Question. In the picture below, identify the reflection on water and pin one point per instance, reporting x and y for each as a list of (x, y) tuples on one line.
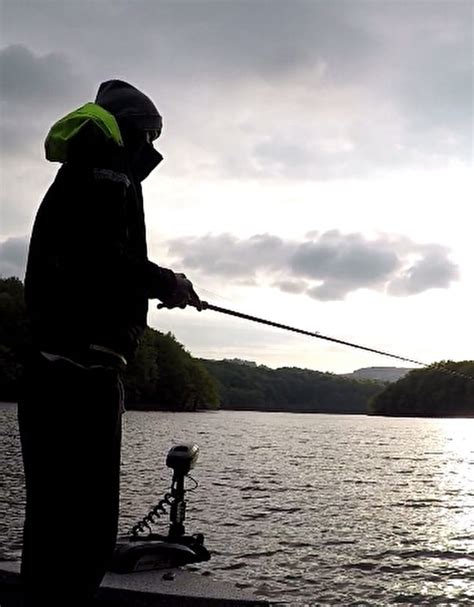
[(308, 509)]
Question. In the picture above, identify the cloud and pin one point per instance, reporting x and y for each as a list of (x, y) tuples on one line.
[(31, 80), (268, 90), (34, 91), (291, 286), (325, 266), (296, 90), (433, 270), (205, 39), (225, 255), (350, 258), (13, 253)]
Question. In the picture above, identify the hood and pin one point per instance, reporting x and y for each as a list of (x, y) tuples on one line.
[(125, 101), (90, 117)]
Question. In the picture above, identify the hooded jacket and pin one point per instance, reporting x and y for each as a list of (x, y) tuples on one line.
[(88, 277)]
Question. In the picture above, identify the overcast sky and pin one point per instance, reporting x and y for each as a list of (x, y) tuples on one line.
[(318, 162)]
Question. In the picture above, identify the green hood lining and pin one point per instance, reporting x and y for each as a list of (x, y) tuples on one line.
[(65, 130)]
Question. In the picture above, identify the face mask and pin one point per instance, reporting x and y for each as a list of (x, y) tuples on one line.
[(145, 161), (143, 157)]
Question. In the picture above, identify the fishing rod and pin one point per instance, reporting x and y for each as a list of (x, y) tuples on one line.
[(208, 306)]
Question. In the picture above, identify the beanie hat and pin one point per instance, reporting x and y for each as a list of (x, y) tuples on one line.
[(125, 101)]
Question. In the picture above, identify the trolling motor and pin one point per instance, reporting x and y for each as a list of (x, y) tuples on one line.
[(139, 552)]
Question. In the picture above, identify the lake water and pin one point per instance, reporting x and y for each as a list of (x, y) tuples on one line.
[(305, 509)]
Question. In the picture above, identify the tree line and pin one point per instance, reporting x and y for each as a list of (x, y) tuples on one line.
[(164, 375), (430, 392), (244, 386)]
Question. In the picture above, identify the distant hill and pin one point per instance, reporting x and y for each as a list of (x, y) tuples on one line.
[(382, 374), (257, 387)]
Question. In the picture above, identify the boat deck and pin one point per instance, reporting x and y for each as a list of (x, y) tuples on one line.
[(167, 587)]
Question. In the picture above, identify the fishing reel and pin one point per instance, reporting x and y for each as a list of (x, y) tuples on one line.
[(144, 550)]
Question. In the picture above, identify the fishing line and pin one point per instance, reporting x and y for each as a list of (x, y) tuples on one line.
[(201, 289), (208, 306)]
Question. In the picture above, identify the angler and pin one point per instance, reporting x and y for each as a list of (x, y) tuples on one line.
[(87, 287)]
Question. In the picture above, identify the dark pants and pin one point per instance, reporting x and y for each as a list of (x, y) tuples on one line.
[(70, 428)]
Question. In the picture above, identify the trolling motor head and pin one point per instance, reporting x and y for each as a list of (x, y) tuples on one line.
[(182, 458), (154, 551)]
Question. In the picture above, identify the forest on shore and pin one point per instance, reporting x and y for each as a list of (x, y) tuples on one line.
[(444, 389), (164, 375), (245, 386)]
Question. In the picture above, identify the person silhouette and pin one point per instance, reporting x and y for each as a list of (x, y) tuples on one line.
[(87, 286)]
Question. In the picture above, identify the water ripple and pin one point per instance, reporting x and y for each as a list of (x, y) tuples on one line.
[(379, 511)]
